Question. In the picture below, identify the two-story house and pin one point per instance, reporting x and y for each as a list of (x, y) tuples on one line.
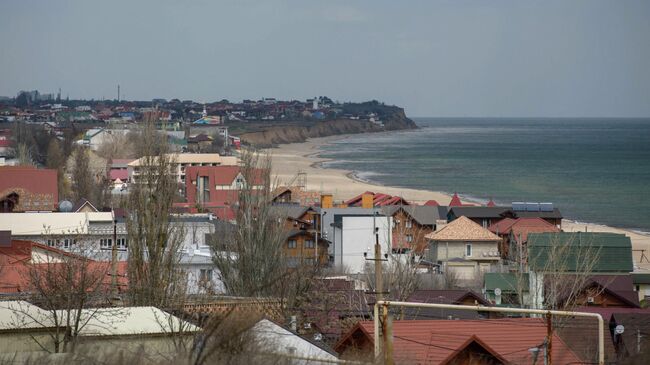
[(464, 248)]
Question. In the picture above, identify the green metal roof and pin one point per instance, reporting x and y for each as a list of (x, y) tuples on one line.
[(614, 251), (641, 278), (507, 282)]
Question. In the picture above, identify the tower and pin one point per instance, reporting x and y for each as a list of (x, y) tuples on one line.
[(314, 105), (118, 92), (205, 112)]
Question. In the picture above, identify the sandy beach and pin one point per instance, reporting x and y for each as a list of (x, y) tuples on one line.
[(289, 159)]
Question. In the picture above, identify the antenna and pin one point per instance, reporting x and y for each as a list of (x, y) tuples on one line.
[(118, 92)]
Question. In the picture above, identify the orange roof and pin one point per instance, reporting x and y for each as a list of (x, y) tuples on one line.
[(437, 341), (463, 229)]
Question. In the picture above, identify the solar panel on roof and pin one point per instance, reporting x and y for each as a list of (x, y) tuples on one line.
[(546, 207), (532, 207), (518, 206)]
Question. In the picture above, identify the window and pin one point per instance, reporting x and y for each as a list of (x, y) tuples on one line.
[(292, 244), (309, 244), (409, 238), (122, 243), (68, 242), (468, 250), (409, 223), (486, 223), (206, 275), (106, 243), (203, 189), (52, 242)]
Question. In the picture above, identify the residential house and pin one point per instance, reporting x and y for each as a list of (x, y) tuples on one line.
[(202, 274), (87, 233), (483, 216), (370, 199), (574, 253), (105, 330), (119, 174), (453, 296), (26, 189), (464, 248), (353, 232), (641, 284), (507, 289), (305, 243), (411, 224), (216, 188), (198, 143), (297, 195), (95, 137), (489, 215), (19, 257), (180, 162), (514, 233), (489, 341)]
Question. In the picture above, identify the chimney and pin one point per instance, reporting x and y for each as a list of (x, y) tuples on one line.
[(5, 238), (326, 201), (367, 201)]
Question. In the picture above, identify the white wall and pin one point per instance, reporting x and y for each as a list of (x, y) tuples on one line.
[(357, 237)]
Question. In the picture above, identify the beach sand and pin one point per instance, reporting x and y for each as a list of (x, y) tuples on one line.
[(289, 159)]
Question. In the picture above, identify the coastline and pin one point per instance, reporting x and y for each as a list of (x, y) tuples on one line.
[(289, 159)]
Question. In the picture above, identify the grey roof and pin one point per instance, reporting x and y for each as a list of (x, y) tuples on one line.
[(478, 212), (423, 214), (294, 211)]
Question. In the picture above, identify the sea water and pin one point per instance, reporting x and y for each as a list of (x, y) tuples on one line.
[(594, 170)]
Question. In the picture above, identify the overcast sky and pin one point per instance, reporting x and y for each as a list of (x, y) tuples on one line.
[(434, 58)]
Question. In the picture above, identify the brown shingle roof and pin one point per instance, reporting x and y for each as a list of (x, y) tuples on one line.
[(463, 229)]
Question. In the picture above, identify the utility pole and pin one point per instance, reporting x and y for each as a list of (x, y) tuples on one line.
[(114, 259), (379, 292), (549, 338)]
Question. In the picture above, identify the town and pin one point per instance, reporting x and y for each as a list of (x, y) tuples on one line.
[(157, 230)]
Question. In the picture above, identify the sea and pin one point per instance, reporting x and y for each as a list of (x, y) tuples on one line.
[(593, 170)]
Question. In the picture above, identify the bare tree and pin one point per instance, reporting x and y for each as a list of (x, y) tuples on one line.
[(154, 243), (64, 285), (251, 259)]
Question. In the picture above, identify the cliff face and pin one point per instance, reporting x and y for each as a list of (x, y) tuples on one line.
[(293, 133)]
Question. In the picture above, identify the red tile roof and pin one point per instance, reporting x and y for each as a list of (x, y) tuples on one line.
[(378, 200), (490, 203), (121, 174), (434, 341), (455, 201), (431, 203), (521, 227)]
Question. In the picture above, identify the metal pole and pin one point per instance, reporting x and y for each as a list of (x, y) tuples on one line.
[(549, 338), (388, 337), (601, 325), (114, 259)]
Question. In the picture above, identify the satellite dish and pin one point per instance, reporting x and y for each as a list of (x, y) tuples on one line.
[(65, 206), (497, 291), (619, 329)]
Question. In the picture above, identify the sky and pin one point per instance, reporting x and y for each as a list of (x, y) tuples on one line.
[(456, 58)]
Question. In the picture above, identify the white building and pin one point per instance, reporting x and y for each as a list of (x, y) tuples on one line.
[(181, 161), (352, 234), (96, 137), (87, 233)]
